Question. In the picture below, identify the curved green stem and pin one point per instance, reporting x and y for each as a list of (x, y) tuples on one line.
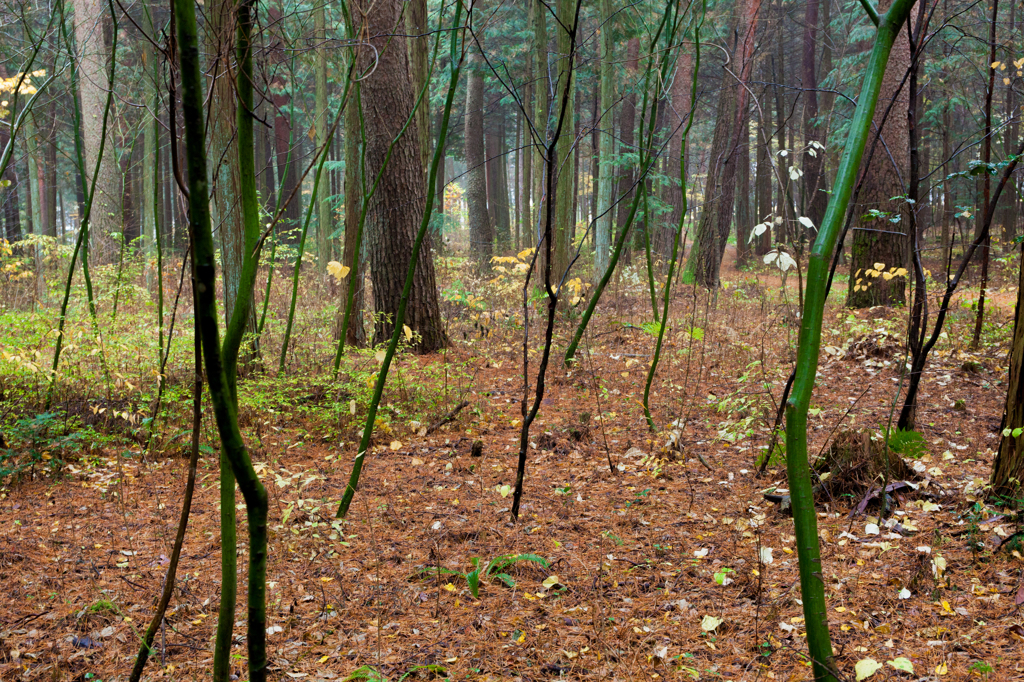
[(812, 582)]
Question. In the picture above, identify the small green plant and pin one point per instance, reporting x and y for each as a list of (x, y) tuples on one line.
[(496, 569), (980, 668), (907, 443), (43, 440)]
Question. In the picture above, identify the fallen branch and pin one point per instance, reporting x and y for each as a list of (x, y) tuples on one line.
[(447, 418)]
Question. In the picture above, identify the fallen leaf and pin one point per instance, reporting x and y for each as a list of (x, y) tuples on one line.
[(710, 623), (865, 668)]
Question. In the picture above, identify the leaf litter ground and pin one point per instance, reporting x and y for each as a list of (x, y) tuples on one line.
[(657, 566)]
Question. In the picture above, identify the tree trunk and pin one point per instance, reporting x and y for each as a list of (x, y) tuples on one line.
[(225, 184), (481, 230), (763, 176), (542, 89), (881, 241), (716, 217), (324, 223), (813, 198), (744, 221), (419, 65), (497, 182), (393, 218), (565, 200), (606, 143), (627, 130), (1008, 203), (356, 334), (1008, 467), (90, 25)]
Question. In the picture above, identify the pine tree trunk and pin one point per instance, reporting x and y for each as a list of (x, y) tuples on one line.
[(744, 221), (419, 58), (356, 334), (542, 89), (627, 130), (606, 144), (1008, 466), (565, 201), (481, 231), (813, 198), (393, 217), (90, 20), (881, 241), (324, 223), (225, 184)]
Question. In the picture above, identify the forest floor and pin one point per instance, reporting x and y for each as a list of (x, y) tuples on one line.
[(657, 566)]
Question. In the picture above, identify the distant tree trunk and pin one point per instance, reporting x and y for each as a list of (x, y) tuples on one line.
[(481, 230), (90, 24), (606, 143), (744, 222), (497, 181), (542, 89), (881, 241), (813, 198), (763, 175), (324, 224), (627, 127), (504, 226), (398, 205), (676, 121), (716, 217), (947, 208), (565, 201), (1008, 202), (516, 184)]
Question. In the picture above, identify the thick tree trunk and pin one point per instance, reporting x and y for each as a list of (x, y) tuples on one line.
[(1008, 467), (419, 65), (481, 229), (881, 241), (398, 205), (712, 232), (1008, 202), (90, 21), (497, 181), (222, 151)]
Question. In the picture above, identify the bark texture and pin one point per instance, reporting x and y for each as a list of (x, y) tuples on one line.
[(397, 207), (883, 241), (93, 56)]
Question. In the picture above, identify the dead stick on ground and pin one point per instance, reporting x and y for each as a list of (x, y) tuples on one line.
[(447, 418)]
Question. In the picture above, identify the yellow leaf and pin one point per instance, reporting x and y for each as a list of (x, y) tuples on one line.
[(710, 623), (879, 266), (337, 270), (408, 332), (866, 668), (550, 582), (380, 355), (941, 668), (449, 587), (396, 445)]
